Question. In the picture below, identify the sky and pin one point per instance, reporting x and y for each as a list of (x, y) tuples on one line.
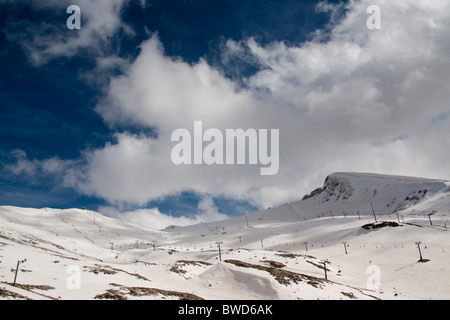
[(88, 114)]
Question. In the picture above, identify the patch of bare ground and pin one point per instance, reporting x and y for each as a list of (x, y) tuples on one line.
[(382, 224), (98, 269), (108, 270), (413, 224), (30, 287), (145, 262), (111, 294), (121, 293), (33, 288), (177, 267), (284, 277), (293, 255), (274, 264), (5, 293), (349, 295)]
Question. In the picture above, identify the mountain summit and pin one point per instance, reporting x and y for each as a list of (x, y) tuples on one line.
[(352, 193)]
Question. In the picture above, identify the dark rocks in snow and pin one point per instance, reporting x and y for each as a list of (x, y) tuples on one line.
[(333, 186), (381, 224), (313, 193)]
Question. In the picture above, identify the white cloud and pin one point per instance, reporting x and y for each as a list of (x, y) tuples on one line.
[(43, 41), (161, 92), (34, 170), (153, 218), (23, 166)]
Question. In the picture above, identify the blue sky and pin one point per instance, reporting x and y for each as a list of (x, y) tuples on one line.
[(86, 114)]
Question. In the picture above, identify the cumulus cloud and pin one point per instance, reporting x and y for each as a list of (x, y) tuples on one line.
[(165, 93), (23, 166), (340, 104), (361, 100), (34, 170), (153, 218)]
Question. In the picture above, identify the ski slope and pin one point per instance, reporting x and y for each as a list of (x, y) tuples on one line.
[(277, 253)]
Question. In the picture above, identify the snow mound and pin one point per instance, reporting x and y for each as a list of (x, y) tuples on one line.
[(241, 284)]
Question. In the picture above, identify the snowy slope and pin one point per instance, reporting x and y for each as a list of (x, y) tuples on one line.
[(276, 253)]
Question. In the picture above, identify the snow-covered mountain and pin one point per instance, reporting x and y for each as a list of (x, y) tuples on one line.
[(350, 193), (277, 253)]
